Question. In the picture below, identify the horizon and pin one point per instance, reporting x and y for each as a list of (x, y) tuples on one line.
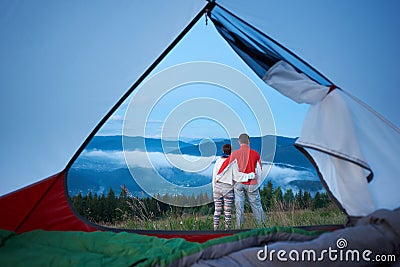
[(191, 138)]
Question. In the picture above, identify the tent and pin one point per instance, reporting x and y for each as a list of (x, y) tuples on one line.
[(339, 133)]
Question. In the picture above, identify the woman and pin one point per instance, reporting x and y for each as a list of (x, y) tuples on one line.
[(223, 187)]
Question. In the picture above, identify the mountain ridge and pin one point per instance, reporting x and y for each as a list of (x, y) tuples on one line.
[(290, 167)]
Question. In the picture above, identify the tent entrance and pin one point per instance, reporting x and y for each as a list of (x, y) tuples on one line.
[(163, 153)]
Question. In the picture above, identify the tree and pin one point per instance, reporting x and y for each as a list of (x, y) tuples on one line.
[(299, 198), (288, 197), (101, 207), (111, 205), (77, 201), (266, 195), (318, 201), (307, 200), (89, 205), (277, 197)]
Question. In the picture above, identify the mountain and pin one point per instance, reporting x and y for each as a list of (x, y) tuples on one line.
[(102, 164), (99, 181), (285, 151), (118, 143), (307, 185)]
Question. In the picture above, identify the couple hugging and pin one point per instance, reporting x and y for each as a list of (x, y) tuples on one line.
[(235, 175)]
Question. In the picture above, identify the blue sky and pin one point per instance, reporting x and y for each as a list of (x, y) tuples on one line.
[(370, 66), (203, 43)]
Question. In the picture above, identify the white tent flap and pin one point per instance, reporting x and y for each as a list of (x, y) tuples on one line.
[(330, 137), (297, 86), (346, 181)]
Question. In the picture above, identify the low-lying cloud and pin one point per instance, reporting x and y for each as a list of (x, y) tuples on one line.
[(108, 160), (141, 159)]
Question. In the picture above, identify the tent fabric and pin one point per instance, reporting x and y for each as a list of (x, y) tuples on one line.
[(68, 248), (379, 232), (49, 248), (374, 237), (109, 47), (379, 143), (297, 86), (354, 148), (258, 50), (330, 134), (43, 205)]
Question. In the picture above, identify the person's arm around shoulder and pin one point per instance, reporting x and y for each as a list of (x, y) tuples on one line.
[(241, 176)]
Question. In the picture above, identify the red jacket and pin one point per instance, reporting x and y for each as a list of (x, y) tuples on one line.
[(247, 161)]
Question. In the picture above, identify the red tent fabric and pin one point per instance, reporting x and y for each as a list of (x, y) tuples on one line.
[(43, 205)]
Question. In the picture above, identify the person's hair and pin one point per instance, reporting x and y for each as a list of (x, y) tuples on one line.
[(244, 139), (227, 149)]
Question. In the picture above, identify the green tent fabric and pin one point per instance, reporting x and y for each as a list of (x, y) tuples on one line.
[(73, 248)]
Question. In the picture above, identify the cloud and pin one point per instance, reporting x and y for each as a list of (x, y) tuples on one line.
[(147, 164), (116, 118), (184, 162), (100, 160), (141, 159), (278, 171), (283, 175)]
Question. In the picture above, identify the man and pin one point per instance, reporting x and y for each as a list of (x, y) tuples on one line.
[(248, 161), (223, 186)]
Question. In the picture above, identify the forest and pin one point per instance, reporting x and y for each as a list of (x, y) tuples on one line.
[(127, 211)]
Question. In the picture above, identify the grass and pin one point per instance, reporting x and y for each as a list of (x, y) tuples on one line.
[(278, 216), (303, 217), (183, 223)]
